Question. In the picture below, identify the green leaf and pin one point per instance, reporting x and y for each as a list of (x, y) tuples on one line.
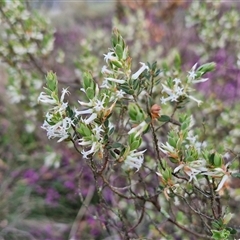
[(135, 84), (117, 64), (87, 81), (70, 112), (177, 62), (135, 144), (216, 234), (90, 93), (207, 67), (84, 130), (231, 230), (111, 131), (184, 126), (172, 142), (116, 145), (164, 118), (211, 158), (113, 154), (114, 37), (51, 79), (154, 66), (217, 160), (119, 51)]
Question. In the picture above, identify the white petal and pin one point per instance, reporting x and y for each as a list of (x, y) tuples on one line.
[(220, 185)]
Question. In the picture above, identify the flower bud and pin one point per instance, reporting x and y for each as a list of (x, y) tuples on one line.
[(155, 111)]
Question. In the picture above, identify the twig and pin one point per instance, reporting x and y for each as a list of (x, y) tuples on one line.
[(212, 197), (139, 220), (81, 212), (188, 230), (115, 190), (156, 146)]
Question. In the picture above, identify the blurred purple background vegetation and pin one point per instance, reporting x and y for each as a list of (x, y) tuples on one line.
[(54, 194)]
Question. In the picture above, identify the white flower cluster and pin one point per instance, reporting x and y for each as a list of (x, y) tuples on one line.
[(196, 167), (181, 89), (111, 78), (134, 159), (57, 124), (94, 141), (101, 104)]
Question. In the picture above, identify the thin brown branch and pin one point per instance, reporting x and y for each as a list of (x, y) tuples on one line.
[(211, 197), (188, 230), (99, 172), (115, 190), (139, 220), (155, 140)]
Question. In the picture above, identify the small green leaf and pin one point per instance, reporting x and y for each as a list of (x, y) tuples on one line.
[(51, 79), (114, 37), (116, 63), (177, 62), (172, 142), (84, 130), (211, 158), (87, 81), (116, 145), (119, 51), (90, 93), (217, 160), (207, 67), (164, 118), (111, 131), (184, 126), (135, 144), (231, 230), (70, 112)]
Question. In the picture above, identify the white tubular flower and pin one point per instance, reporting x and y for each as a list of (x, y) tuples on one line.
[(87, 111), (191, 172), (134, 159), (109, 56), (220, 172), (59, 130), (173, 94), (177, 81), (83, 142), (167, 89), (106, 71), (97, 131), (141, 70), (45, 98), (192, 74), (139, 129), (89, 120), (192, 169), (164, 100), (96, 146), (105, 84), (222, 182), (199, 102), (167, 148), (120, 94), (120, 81), (95, 105), (64, 92), (200, 80)]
